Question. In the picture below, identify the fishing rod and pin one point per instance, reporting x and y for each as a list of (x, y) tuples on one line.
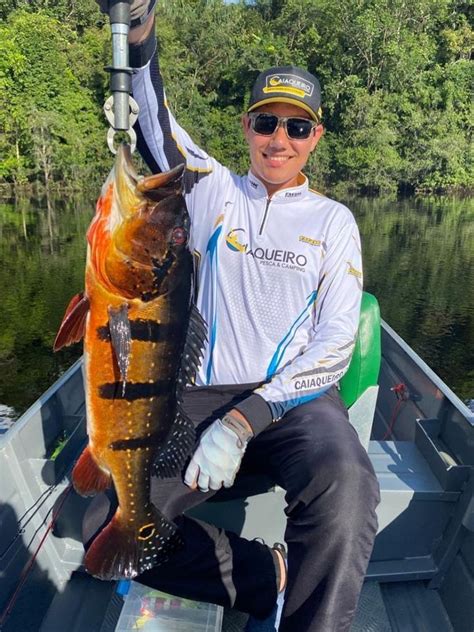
[(120, 108)]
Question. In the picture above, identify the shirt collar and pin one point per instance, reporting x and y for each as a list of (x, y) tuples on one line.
[(256, 189)]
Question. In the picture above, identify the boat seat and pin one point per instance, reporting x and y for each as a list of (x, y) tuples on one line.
[(358, 387), (363, 371)]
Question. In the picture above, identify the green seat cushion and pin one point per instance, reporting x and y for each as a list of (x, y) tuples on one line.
[(365, 364)]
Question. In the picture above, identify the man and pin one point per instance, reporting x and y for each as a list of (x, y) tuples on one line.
[(274, 268)]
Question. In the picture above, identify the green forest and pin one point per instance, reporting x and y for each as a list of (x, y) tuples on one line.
[(396, 77)]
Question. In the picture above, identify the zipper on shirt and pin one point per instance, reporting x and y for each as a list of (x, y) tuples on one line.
[(262, 225)]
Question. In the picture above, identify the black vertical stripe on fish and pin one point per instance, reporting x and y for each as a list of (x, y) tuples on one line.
[(130, 391), (137, 443), (145, 331)]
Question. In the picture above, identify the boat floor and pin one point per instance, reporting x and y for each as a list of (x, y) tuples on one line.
[(92, 605), (400, 607)]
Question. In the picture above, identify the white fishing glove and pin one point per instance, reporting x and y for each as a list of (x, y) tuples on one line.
[(219, 454)]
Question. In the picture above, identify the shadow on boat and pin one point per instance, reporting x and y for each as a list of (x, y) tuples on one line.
[(24, 585)]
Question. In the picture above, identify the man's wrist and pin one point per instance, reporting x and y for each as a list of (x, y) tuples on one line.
[(256, 411), (235, 421)]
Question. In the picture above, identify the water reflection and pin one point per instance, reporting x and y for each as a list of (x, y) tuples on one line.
[(42, 256), (418, 261)]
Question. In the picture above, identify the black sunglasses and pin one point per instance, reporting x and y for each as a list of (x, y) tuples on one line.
[(266, 124)]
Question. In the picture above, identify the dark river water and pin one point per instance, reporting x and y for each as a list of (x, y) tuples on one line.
[(419, 262)]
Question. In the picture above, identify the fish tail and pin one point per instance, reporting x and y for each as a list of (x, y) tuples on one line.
[(121, 551), (87, 477)]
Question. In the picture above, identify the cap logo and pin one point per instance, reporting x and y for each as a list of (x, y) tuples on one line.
[(291, 84)]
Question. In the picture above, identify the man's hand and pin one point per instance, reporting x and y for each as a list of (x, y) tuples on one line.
[(142, 14), (219, 454), (139, 9)]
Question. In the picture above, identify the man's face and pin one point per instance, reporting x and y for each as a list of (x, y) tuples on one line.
[(277, 160)]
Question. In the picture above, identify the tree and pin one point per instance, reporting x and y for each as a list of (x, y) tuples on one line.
[(395, 75)]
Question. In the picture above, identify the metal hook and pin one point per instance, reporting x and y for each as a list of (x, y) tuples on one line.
[(132, 117)]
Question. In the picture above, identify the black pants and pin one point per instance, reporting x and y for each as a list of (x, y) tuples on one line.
[(331, 492)]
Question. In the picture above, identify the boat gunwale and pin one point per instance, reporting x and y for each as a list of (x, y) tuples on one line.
[(36, 406), (460, 406), (456, 402)]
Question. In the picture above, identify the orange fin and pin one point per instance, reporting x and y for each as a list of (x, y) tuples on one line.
[(87, 477), (123, 552), (74, 321)]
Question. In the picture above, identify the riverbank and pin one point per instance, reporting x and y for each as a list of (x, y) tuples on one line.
[(10, 192)]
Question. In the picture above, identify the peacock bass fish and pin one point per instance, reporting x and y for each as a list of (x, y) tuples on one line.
[(137, 321)]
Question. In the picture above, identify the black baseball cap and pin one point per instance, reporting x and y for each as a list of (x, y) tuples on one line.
[(287, 84)]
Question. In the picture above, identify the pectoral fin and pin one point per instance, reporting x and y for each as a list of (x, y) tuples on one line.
[(120, 334), (74, 322)]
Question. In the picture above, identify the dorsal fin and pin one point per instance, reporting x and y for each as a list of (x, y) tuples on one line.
[(178, 446), (196, 337)]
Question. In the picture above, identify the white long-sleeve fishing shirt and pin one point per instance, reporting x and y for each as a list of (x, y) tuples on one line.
[(278, 280)]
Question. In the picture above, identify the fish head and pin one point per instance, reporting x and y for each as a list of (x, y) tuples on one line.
[(140, 234)]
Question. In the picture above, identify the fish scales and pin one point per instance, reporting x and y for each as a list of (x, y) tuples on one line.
[(134, 314)]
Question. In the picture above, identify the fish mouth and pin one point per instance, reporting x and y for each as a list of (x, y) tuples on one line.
[(133, 189), (124, 160), (127, 196)]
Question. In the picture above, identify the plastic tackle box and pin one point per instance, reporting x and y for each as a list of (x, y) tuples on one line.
[(150, 610)]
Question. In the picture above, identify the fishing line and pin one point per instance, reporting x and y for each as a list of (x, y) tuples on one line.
[(29, 566), (21, 527), (39, 502)]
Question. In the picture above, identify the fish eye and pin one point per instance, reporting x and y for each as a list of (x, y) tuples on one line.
[(179, 236)]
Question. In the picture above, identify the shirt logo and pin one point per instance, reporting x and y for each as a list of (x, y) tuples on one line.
[(317, 382), (235, 241), (353, 271), (308, 240), (232, 240)]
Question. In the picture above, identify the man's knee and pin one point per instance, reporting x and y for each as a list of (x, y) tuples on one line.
[(341, 473), (354, 483)]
